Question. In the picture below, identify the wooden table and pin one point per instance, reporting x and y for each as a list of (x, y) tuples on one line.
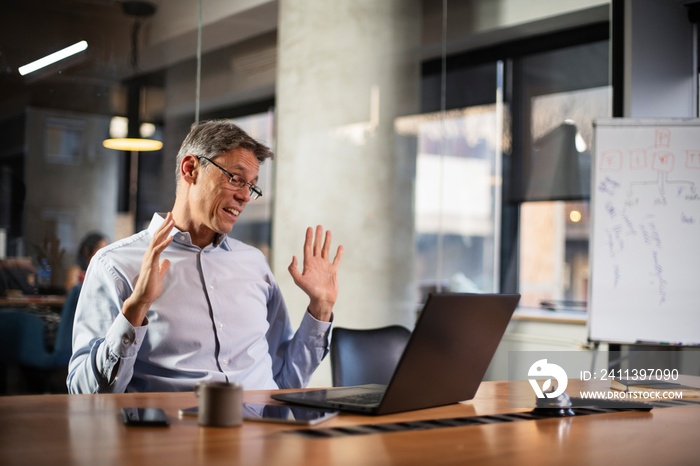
[(88, 430)]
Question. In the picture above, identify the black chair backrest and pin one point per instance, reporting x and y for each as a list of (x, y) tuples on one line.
[(10, 336), (361, 357)]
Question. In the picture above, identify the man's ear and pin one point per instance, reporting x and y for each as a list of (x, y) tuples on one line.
[(189, 168)]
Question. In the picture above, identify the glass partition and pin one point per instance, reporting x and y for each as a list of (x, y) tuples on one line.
[(448, 115)]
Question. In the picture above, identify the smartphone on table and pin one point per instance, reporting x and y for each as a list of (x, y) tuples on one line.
[(145, 417)]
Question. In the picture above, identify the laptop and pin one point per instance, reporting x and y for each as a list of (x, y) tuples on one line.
[(444, 362)]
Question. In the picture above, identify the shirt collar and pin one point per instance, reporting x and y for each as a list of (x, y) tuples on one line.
[(183, 237)]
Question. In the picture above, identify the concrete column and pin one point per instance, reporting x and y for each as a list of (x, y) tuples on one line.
[(346, 70)]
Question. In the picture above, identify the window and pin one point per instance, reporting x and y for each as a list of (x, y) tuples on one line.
[(457, 201), (556, 86), (564, 91)]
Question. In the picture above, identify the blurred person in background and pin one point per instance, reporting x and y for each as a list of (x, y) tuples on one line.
[(91, 243)]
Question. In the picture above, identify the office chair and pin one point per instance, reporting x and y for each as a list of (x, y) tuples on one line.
[(24, 337), (23, 346), (366, 356)]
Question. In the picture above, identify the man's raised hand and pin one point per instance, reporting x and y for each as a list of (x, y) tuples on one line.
[(319, 276), (149, 285)]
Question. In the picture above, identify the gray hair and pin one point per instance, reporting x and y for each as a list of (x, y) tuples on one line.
[(211, 138)]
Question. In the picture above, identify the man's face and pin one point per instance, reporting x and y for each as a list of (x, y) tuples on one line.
[(216, 202)]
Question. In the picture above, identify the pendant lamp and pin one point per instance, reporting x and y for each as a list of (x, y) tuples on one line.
[(138, 10)]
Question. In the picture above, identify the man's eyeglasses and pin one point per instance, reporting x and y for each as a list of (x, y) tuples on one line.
[(237, 181)]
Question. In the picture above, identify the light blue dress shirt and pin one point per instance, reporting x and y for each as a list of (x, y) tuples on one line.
[(221, 317)]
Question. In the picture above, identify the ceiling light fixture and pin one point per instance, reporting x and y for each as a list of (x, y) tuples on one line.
[(132, 144), (53, 58), (139, 10)]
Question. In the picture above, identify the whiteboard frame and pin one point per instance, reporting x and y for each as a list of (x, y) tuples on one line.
[(627, 123)]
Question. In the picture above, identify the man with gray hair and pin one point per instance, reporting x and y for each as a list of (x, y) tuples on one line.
[(181, 302)]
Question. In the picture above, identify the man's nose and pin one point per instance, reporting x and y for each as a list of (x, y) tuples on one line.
[(242, 195)]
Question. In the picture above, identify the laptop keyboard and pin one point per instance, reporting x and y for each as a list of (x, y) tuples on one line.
[(363, 399)]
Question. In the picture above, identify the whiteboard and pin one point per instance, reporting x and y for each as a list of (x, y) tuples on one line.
[(645, 237)]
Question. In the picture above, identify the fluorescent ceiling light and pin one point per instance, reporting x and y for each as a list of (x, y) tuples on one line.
[(53, 58)]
